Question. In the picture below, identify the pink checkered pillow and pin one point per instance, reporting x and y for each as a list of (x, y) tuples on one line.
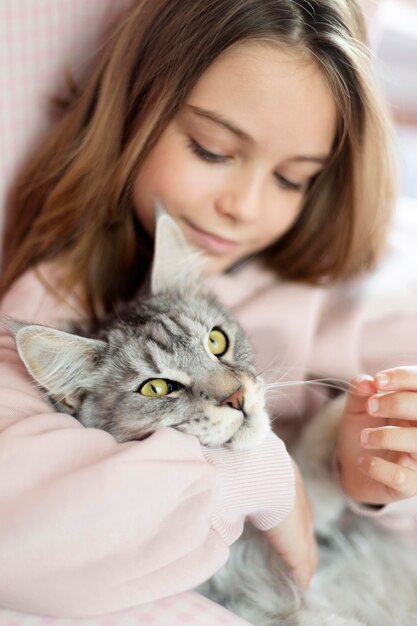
[(39, 42)]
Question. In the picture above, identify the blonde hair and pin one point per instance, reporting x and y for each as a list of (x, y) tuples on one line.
[(73, 201)]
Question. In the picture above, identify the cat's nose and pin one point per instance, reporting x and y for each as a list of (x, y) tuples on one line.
[(235, 400)]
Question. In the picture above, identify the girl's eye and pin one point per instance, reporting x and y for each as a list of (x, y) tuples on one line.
[(218, 342), (288, 184), (211, 157), (158, 387), (204, 154)]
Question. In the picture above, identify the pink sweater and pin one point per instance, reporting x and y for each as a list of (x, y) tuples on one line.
[(90, 526)]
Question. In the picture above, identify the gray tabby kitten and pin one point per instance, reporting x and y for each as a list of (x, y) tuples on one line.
[(173, 358), (178, 358)]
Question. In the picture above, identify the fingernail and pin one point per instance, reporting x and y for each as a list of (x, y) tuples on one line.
[(365, 434), (373, 405), (383, 379)]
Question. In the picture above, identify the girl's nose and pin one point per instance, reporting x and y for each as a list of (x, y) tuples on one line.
[(243, 202)]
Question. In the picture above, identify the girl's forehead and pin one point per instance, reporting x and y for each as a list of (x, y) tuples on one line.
[(270, 92)]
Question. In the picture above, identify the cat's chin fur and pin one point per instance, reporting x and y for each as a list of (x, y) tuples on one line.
[(257, 424), (252, 432), (366, 576)]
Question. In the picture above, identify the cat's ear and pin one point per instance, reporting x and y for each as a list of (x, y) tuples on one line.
[(176, 265), (62, 363)]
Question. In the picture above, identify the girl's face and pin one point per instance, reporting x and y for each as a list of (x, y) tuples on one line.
[(233, 165)]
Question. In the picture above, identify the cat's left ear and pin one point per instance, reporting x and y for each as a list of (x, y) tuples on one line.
[(62, 363), (176, 265)]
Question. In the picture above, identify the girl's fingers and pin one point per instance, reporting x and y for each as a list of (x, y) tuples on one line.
[(397, 378), (390, 438), (394, 405), (360, 388), (303, 572), (400, 482)]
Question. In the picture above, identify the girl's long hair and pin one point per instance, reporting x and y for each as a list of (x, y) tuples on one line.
[(73, 201)]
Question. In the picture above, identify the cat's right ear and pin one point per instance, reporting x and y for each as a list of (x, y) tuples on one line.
[(62, 363), (176, 267)]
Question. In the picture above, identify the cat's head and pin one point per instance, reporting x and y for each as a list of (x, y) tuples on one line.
[(174, 358)]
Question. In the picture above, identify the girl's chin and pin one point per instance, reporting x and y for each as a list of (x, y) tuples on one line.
[(220, 265)]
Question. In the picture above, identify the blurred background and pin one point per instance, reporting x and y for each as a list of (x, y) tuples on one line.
[(393, 37)]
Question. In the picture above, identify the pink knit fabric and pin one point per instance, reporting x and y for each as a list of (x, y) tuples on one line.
[(186, 609), (151, 518)]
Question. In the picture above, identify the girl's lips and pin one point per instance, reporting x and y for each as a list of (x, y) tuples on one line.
[(211, 243)]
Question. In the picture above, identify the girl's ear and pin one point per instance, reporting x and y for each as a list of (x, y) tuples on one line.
[(62, 363), (176, 265)]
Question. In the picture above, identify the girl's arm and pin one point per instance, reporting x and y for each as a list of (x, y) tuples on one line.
[(90, 526)]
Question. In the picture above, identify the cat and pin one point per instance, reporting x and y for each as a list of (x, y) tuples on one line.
[(176, 357)]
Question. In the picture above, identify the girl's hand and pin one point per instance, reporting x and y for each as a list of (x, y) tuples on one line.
[(377, 442), (294, 540)]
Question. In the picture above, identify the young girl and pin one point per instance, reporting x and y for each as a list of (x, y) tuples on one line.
[(255, 122)]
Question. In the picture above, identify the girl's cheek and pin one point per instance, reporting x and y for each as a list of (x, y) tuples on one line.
[(177, 177)]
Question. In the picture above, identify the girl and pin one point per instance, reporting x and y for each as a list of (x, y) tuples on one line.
[(255, 122)]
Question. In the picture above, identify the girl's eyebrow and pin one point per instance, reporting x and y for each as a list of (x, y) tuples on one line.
[(217, 118)]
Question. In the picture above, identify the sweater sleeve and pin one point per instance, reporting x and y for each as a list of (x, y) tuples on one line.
[(246, 484), (90, 526)]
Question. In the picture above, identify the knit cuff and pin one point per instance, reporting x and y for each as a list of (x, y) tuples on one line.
[(256, 484)]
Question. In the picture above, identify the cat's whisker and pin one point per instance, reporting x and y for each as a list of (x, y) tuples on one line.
[(287, 389), (336, 384)]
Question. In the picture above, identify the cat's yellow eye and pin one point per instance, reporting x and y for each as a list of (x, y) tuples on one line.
[(218, 342), (155, 388)]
